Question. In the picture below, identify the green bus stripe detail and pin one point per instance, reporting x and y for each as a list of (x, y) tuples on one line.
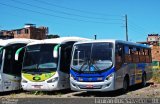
[(38, 78), (1, 48), (56, 48), (18, 51)]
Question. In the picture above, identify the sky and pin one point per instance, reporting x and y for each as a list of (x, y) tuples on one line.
[(85, 18)]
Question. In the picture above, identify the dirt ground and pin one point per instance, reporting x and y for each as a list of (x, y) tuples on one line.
[(150, 91)]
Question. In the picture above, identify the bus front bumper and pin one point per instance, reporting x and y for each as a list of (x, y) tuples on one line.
[(39, 86), (92, 86)]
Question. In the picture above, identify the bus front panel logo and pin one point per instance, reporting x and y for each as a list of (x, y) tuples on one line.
[(36, 78)]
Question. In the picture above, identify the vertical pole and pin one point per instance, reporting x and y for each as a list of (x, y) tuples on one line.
[(95, 37), (126, 23)]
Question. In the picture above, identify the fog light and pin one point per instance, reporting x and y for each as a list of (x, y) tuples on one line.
[(109, 76), (80, 79), (24, 81), (52, 80)]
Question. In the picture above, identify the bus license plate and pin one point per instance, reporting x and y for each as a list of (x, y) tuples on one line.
[(37, 86), (89, 86)]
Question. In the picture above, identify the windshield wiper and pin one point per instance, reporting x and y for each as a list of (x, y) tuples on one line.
[(85, 63), (89, 64), (96, 68), (93, 64)]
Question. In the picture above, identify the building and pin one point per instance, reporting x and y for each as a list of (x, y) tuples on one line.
[(2, 36), (29, 31), (154, 41)]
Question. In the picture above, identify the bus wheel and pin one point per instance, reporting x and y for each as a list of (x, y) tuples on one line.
[(125, 85), (143, 80)]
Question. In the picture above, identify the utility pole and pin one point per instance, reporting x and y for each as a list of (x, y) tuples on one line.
[(95, 37), (126, 25)]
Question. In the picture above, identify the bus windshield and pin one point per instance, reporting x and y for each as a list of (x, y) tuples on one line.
[(92, 57), (39, 58)]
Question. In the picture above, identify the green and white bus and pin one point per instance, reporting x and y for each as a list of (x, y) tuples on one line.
[(10, 69), (107, 65), (46, 64)]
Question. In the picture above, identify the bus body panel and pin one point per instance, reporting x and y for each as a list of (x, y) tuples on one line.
[(10, 82), (89, 83), (149, 71), (1, 87), (61, 83), (92, 86), (135, 74), (119, 79), (63, 80), (39, 86)]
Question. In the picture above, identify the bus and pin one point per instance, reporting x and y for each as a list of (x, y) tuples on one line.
[(46, 64), (10, 69), (107, 65)]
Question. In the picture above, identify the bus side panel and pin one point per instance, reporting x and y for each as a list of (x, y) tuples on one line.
[(126, 69), (1, 89), (64, 82), (7, 83), (119, 79), (131, 68), (149, 71), (16, 82)]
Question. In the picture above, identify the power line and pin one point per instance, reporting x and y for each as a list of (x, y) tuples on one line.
[(137, 26), (135, 30), (82, 11), (68, 18), (61, 12)]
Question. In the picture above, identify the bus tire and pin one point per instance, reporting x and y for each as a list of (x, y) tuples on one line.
[(144, 82), (125, 85)]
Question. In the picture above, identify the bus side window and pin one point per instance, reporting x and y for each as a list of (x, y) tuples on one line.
[(7, 69), (142, 55), (135, 55), (10, 65), (127, 53), (119, 56), (147, 55)]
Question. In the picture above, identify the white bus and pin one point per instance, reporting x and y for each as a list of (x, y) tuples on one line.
[(46, 64), (10, 69), (107, 65)]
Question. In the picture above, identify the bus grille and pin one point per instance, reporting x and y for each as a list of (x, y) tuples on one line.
[(90, 87)]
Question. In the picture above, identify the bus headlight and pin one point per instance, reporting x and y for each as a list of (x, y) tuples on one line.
[(71, 77), (110, 76), (24, 81), (52, 80)]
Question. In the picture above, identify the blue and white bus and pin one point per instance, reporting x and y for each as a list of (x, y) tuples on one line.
[(107, 65)]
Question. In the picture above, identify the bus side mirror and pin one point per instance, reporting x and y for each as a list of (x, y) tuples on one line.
[(18, 53), (1, 49), (55, 51)]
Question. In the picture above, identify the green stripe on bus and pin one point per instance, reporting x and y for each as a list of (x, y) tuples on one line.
[(56, 48), (18, 51)]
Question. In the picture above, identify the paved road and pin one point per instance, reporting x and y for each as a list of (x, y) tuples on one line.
[(70, 97)]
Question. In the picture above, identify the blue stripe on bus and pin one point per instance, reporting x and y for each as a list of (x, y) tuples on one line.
[(92, 77)]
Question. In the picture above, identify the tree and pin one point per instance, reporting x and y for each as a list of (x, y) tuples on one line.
[(52, 36)]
